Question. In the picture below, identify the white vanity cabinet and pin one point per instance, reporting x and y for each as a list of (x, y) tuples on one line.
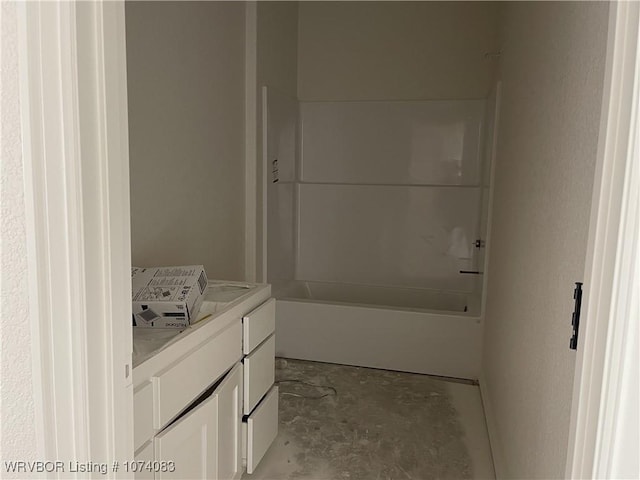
[(205, 443), (260, 403), (189, 395)]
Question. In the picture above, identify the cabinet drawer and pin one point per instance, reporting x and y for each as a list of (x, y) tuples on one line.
[(258, 325), (259, 373), (262, 428), (180, 383), (142, 414)]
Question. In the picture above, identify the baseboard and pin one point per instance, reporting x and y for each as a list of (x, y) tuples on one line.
[(492, 429)]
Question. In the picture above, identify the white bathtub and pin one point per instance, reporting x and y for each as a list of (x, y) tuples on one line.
[(395, 328)]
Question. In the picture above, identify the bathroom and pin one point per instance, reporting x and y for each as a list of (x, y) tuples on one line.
[(407, 175)]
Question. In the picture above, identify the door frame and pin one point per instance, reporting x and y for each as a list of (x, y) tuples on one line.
[(608, 346), (73, 100)]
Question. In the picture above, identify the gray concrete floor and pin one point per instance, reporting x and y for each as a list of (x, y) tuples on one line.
[(377, 424)]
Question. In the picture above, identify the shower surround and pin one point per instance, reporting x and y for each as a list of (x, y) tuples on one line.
[(373, 213)]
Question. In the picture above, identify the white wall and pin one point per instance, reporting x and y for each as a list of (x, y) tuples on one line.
[(390, 192), (552, 74), (277, 69), (399, 143), (278, 46), (396, 235), (185, 69), (396, 50), (17, 412), (282, 148)]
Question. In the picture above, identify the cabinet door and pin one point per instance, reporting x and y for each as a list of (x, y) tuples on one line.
[(205, 443), (145, 456), (229, 395), (142, 415), (190, 443)]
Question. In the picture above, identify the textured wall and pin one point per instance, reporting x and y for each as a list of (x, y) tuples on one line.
[(185, 69), (552, 73), (17, 417), (396, 50)]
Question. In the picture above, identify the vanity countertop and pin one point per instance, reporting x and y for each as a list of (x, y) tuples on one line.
[(218, 307)]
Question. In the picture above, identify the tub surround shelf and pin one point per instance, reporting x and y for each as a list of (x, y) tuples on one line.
[(189, 386)]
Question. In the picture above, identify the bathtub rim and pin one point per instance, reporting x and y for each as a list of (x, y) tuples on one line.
[(373, 306), (282, 289)]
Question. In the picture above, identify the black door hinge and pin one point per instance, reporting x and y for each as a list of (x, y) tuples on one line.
[(575, 318)]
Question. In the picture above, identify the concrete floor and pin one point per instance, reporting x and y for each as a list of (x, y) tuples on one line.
[(379, 425)]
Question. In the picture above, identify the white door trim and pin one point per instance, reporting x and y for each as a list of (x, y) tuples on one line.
[(262, 178), (75, 150), (605, 348)]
